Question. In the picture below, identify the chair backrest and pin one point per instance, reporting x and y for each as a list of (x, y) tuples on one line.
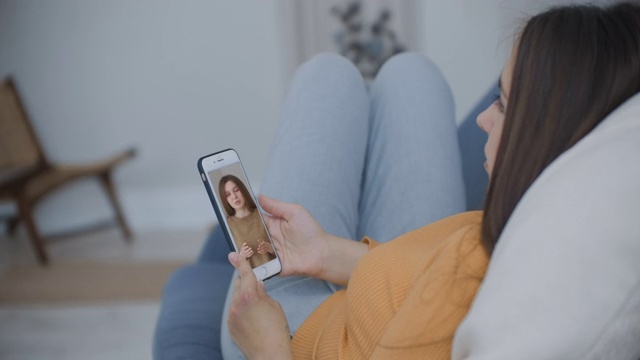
[(20, 150)]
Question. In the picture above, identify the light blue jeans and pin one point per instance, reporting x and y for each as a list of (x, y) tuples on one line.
[(377, 161)]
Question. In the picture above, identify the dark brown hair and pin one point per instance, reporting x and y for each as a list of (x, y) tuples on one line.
[(243, 189), (573, 66)]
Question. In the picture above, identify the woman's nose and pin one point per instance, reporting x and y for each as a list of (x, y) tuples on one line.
[(483, 121)]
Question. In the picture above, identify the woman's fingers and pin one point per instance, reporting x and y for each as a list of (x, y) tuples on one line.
[(260, 288), (261, 247), (247, 280), (246, 250), (256, 322)]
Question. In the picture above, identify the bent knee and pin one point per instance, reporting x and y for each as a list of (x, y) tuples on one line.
[(328, 63), (408, 62), (408, 66)]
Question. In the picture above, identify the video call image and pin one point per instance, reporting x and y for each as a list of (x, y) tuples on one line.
[(242, 214)]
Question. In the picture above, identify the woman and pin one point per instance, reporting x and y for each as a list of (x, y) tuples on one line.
[(244, 221), (570, 68)]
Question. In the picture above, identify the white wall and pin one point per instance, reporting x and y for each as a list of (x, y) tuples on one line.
[(470, 40), (180, 79), (175, 79)]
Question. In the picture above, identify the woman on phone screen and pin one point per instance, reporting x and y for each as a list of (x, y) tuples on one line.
[(244, 221)]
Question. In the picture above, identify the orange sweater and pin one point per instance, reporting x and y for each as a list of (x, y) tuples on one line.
[(405, 299)]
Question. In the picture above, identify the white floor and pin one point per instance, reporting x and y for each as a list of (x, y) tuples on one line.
[(110, 331)]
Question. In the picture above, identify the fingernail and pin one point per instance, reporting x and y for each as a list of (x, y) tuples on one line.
[(232, 257)]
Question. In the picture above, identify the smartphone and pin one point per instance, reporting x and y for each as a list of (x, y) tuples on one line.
[(237, 211)]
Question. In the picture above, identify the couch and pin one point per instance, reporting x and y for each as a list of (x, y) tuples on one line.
[(564, 283)]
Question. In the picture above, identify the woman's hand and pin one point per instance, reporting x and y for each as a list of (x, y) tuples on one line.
[(305, 248), (246, 251), (299, 240), (256, 322), (265, 247)]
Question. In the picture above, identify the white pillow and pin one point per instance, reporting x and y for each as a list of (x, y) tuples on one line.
[(564, 280)]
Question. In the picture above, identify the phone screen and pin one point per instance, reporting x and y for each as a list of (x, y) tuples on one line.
[(238, 209)]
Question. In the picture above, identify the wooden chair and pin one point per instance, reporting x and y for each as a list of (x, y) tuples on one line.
[(26, 176)]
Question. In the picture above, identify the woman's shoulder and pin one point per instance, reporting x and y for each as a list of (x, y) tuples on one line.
[(461, 219)]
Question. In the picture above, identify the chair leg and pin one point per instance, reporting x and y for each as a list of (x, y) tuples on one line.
[(12, 225), (110, 189), (37, 242)]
